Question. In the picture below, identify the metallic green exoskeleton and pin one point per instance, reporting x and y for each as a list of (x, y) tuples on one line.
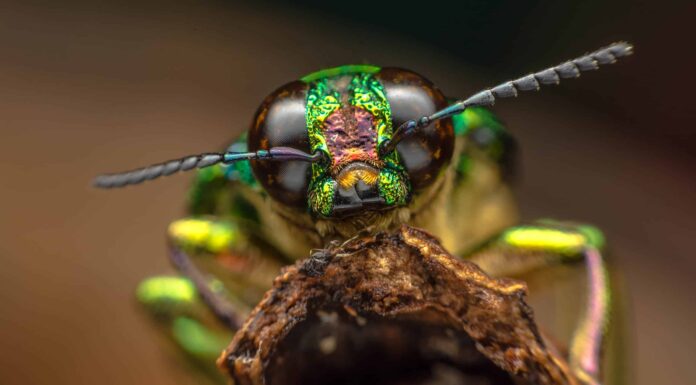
[(353, 149)]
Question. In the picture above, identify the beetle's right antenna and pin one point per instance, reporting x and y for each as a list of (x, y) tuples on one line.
[(553, 75), (200, 161)]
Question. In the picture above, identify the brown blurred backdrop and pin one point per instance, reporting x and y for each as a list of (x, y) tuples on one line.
[(101, 86)]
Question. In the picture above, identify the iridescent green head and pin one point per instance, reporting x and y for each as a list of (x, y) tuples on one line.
[(357, 138), (346, 114)]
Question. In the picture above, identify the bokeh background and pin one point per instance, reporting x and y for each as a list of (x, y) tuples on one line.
[(94, 86)]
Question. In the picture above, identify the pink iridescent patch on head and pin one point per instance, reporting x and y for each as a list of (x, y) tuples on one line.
[(350, 136)]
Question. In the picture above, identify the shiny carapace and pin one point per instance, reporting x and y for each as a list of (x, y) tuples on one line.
[(346, 114)]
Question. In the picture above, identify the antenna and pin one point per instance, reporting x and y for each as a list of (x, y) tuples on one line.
[(155, 171), (531, 82)]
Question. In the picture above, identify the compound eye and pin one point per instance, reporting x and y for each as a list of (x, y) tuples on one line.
[(411, 96), (280, 121)]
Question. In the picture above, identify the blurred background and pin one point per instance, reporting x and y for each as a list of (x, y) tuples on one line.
[(94, 86)]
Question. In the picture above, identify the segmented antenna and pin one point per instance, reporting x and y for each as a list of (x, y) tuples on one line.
[(199, 161), (531, 82)]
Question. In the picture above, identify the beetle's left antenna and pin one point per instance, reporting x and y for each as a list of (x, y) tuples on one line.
[(552, 75), (154, 171)]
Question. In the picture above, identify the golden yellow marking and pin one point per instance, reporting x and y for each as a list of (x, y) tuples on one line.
[(190, 230), (550, 240), (350, 178), (166, 288), (202, 233), (219, 240)]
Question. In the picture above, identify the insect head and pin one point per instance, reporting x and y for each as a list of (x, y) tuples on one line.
[(357, 138)]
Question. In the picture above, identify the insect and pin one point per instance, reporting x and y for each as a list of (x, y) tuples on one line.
[(352, 149)]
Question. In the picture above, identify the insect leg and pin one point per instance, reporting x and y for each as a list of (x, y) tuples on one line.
[(224, 272), (179, 313), (228, 267), (209, 289), (522, 249)]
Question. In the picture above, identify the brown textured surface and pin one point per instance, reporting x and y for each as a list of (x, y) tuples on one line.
[(402, 278)]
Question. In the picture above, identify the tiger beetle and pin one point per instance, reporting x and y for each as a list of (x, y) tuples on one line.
[(352, 149)]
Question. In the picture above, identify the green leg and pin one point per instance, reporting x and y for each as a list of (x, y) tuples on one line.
[(185, 321), (229, 269), (520, 250), (224, 273)]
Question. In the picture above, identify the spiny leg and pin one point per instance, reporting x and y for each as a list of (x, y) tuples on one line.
[(520, 250), (224, 274)]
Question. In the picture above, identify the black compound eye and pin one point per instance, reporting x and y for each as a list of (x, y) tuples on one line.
[(280, 121), (410, 97)]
